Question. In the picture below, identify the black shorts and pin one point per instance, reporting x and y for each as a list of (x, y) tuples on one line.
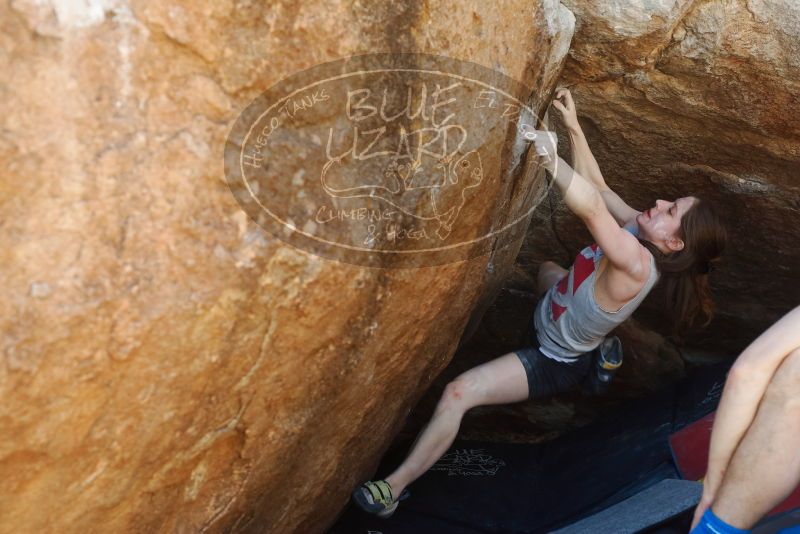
[(547, 376)]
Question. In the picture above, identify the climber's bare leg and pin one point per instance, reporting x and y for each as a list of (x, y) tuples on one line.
[(500, 381), (550, 274), (765, 468)]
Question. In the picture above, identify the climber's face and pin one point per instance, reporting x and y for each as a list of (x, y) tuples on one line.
[(661, 224)]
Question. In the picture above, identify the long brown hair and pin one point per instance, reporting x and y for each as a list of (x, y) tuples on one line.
[(684, 273)]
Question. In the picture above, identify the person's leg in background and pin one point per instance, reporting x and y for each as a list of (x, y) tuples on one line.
[(765, 468)]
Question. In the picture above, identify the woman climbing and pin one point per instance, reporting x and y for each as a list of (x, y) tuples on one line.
[(674, 240)]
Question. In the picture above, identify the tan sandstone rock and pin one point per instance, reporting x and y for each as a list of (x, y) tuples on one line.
[(167, 366)]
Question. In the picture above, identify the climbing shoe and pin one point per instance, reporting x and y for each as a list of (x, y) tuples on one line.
[(606, 359), (376, 498)]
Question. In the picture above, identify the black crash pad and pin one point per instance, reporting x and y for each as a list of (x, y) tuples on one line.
[(502, 487)]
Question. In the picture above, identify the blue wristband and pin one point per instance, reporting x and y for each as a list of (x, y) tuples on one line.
[(711, 524)]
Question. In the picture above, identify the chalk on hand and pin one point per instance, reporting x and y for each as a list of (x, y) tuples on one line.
[(527, 131)]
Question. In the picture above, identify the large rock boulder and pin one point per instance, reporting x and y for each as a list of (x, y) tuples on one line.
[(699, 98), (168, 366)]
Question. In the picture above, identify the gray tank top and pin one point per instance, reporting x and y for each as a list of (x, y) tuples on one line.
[(569, 321)]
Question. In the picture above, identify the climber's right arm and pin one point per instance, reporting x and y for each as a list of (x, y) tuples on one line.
[(585, 163), (582, 198)]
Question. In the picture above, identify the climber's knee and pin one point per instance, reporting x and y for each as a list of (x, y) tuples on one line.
[(461, 394), (549, 275)]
